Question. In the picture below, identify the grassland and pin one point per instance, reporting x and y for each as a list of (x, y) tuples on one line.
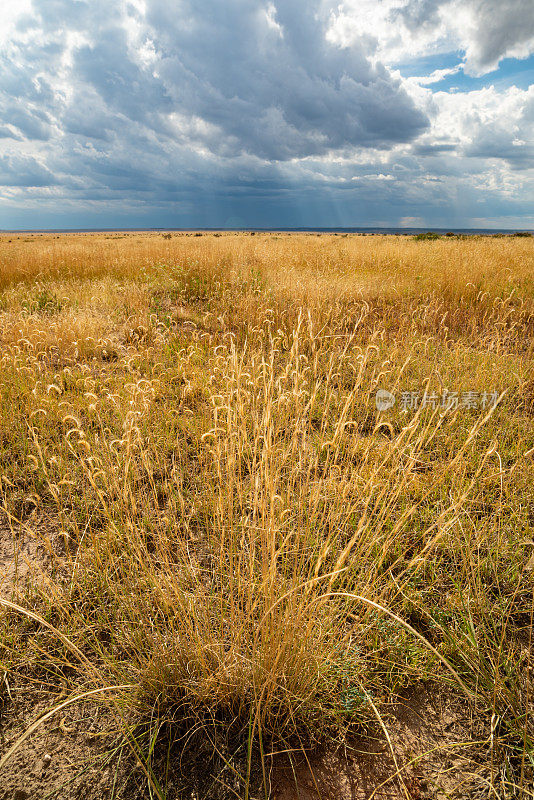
[(235, 545)]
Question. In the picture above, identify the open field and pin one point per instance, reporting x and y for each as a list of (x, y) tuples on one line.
[(208, 527)]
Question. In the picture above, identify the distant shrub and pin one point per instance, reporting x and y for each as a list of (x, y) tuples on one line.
[(429, 236), (522, 233), (167, 235)]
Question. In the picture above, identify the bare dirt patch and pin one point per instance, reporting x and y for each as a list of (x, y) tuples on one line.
[(27, 552), (74, 755), (436, 755)]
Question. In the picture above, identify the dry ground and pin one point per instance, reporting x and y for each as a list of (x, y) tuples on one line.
[(263, 584)]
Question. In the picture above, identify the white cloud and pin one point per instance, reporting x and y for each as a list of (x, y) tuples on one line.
[(12, 12), (435, 77), (485, 30), (485, 123)]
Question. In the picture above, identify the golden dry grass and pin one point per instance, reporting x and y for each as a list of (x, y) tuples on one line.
[(246, 541)]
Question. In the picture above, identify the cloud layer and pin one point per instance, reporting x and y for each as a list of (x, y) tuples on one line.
[(205, 113)]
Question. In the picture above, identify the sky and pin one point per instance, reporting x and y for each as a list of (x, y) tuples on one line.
[(246, 113)]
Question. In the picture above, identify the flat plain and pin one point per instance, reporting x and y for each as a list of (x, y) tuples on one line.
[(222, 566)]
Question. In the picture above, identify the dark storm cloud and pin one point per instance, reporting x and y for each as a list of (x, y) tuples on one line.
[(137, 100), (518, 154), (106, 66), (433, 148), (24, 171), (25, 100), (272, 84), (32, 125)]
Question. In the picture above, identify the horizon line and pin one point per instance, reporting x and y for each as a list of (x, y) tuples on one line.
[(257, 229)]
